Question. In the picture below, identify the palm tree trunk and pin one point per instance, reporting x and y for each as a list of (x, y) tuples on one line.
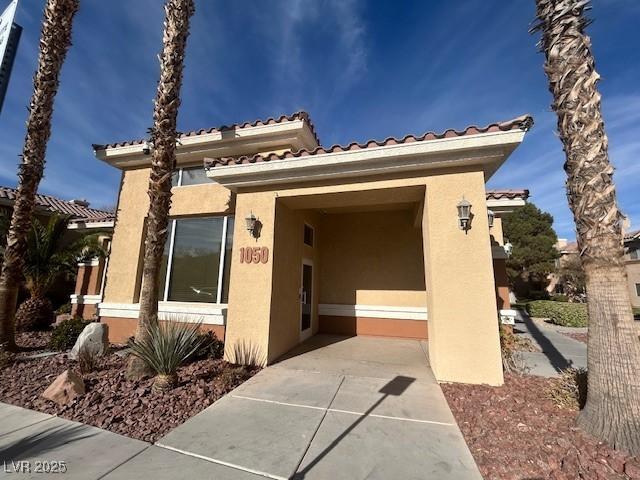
[(55, 40), (612, 411), (163, 138)]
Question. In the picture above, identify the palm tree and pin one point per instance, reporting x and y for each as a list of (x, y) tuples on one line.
[(50, 256), (612, 411), (163, 139), (55, 40)]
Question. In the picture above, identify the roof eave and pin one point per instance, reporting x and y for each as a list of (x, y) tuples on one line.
[(240, 140), (484, 151)]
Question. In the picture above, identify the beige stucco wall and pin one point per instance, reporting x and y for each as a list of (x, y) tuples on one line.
[(250, 286), (288, 256), (463, 323), (496, 232), (633, 275), (127, 248), (372, 258)]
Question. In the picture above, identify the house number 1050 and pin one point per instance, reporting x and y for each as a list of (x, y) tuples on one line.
[(254, 255)]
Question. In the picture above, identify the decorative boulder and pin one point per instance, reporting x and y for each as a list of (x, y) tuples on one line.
[(94, 339), (65, 388)]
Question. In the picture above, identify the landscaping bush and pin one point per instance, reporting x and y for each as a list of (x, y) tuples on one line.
[(165, 347), (211, 347), (66, 333), (87, 360), (64, 309), (559, 298), (560, 313), (570, 389)]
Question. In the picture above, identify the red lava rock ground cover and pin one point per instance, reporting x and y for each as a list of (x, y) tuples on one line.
[(32, 342), (581, 337), (116, 404), (516, 432)]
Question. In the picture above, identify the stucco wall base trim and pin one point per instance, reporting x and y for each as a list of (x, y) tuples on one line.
[(379, 327), (208, 314), (85, 299), (121, 329), (373, 311)]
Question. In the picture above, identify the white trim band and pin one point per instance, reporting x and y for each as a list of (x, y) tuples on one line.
[(207, 313), (85, 299), (373, 311)]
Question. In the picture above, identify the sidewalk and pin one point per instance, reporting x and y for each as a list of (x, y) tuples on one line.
[(559, 351)]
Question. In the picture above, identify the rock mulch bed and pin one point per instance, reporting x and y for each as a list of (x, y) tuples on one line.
[(33, 342), (581, 337), (516, 432), (113, 403)]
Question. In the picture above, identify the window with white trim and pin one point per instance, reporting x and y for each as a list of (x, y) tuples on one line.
[(183, 177), (197, 260)]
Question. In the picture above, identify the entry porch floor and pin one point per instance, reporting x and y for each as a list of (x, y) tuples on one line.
[(334, 407)]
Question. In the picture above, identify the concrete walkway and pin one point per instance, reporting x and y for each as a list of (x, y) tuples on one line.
[(559, 351), (88, 452), (336, 407)]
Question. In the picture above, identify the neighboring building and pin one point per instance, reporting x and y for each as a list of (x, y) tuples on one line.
[(631, 262), (84, 220), (632, 265), (274, 238)]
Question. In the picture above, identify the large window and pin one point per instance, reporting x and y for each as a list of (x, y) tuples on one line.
[(184, 177), (197, 260)]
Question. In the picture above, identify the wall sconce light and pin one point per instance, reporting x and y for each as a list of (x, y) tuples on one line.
[(253, 225), (464, 214), (491, 216)]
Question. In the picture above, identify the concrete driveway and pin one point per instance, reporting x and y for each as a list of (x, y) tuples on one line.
[(335, 407)]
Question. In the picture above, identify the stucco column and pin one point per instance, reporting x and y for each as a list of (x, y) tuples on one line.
[(464, 345), (250, 283)]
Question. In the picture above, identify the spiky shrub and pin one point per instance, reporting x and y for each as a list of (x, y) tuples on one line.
[(87, 360), (165, 347), (66, 333), (570, 389), (5, 357)]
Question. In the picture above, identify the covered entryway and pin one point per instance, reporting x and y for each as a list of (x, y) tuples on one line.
[(335, 407)]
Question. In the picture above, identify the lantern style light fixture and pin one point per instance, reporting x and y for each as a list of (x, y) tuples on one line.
[(251, 222), (464, 214), (491, 216)]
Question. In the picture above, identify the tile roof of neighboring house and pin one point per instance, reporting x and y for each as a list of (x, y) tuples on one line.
[(510, 194), (304, 116), (77, 211), (523, 122), (570, 247), (634, 235)]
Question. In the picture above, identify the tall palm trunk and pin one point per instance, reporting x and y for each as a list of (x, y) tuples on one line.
[(163, 138), (612, 411), (55, 40)]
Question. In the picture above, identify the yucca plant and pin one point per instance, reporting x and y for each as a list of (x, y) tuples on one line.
[(165, 347)]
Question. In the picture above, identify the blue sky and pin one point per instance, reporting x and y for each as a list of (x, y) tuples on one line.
[(362, 69)]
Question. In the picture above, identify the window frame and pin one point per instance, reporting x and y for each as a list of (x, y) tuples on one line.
[(637, 289), (223, 250), (179, 182), (313, 235)]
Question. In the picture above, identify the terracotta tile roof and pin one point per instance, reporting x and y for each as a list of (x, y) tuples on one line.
[(78, 211), (510, 194), (523, 122), (301, 115), (634, 235), (570, 247)]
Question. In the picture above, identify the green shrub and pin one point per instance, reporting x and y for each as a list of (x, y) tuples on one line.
[(64, 309), (165, 347), (539, 295), (210, 347), (559, 298), (560, 313), (66, 333)]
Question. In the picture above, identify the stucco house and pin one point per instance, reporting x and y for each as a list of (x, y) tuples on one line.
[(274, 238), (631, 263)]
